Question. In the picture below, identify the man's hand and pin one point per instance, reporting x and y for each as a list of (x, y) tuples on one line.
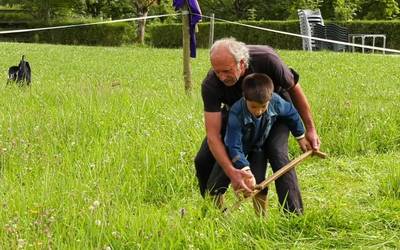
[(313, 139), (301, 103), (242, 181), (304, 144)]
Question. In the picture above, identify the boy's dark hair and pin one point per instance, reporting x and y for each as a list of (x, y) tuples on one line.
[(257, 87)]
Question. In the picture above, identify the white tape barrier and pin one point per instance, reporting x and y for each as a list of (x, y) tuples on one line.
[(302, 36), (85, 24)]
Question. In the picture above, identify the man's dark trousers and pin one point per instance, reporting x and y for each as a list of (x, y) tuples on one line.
[(276, 151)]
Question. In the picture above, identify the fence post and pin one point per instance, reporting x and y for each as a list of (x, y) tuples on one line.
[(187, 71), (211, 38)]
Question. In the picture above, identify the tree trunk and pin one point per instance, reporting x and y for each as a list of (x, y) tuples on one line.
[(239, 9), (142, 25)]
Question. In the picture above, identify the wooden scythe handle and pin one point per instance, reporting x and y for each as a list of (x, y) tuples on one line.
[(278, 174)]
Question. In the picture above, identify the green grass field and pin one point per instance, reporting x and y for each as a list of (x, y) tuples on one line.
[(98, 154)]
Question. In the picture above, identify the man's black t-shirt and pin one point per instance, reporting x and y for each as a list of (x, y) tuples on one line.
[(263, 59)]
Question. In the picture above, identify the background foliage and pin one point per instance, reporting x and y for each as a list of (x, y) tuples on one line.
[(169, 35), (226, 9), (21, 14)]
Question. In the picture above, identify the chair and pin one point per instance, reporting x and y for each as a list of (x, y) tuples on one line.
[(308, 20), (312, 24), (337, 33), (320, 32)]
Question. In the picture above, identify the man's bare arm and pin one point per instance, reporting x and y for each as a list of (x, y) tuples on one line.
[(301, 103)]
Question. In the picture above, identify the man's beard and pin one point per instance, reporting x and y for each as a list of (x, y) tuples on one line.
[(231, 81)]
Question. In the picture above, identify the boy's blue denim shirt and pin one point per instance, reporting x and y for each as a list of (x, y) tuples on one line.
[(241, 137)]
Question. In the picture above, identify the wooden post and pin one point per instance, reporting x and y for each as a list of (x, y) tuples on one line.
[(187, 71), (211, 38)]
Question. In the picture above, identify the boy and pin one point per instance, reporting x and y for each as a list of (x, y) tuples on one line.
[(250, 120)]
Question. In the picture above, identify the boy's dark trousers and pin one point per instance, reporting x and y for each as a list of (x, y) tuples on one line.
[(212, 179)]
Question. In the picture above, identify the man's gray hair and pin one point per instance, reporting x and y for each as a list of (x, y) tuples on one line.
[(238, 49)]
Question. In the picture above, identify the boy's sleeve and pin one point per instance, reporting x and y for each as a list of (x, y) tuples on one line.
[(288, 112), (234, 143)]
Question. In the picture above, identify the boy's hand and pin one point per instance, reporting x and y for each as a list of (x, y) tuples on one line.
[(249, 181), (304, 144)]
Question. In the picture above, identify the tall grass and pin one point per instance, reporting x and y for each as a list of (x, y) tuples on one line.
[(97, 154), (390, 186)]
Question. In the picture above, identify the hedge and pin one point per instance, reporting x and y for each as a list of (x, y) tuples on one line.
[(105, 35), (170, 35)]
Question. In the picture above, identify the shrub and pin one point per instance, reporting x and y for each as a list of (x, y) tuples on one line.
[(114, 34)]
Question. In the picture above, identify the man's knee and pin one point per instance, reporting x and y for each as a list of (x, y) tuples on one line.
[(203, 163), (218, 182), (214, 190), (198, 162)]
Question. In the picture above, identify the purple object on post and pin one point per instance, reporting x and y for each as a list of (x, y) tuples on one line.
[(194, 18)]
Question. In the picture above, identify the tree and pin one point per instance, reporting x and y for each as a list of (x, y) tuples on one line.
[(164, 7), (117, 9), (141, 9), (231, 9), (114, 9), (346, 9), (340, 9), (379, 9), (276, 10), (94, 7), (46, 9)]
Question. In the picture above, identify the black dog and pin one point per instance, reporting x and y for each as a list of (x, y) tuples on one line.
[(21, 73), (12, 73)]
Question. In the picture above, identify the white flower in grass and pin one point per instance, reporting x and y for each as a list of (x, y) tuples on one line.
[(115, 234), (182, 155), (95, 205), (97, 222), (52, 219), (21, 243)]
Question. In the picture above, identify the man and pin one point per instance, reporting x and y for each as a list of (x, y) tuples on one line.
[(231, 61)]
